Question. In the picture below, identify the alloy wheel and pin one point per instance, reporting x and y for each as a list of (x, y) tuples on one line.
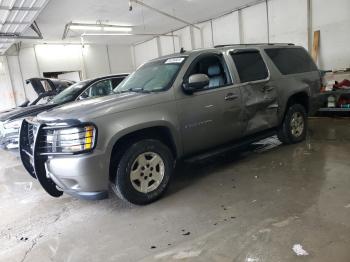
[(297, 124), (147, 172)]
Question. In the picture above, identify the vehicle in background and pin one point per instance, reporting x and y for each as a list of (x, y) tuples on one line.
[(190, 105), (44, 90), (10, 122)]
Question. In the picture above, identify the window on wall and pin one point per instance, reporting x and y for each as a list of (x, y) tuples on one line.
[(291, 60), (250, 66)]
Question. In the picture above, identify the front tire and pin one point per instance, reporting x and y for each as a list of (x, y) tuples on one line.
[(144, 171), (294, 127)]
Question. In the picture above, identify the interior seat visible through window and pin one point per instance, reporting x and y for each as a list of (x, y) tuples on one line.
[(216, 76), (214, 67)]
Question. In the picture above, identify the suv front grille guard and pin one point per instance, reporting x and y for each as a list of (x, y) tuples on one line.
[(31, 136)]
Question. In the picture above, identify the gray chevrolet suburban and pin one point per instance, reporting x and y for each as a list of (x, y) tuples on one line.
[(187, 105)]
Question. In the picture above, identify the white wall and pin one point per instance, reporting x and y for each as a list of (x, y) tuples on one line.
[(74, 76), (185, 38), (207, 34), (197, 38), (254, 24), (32, 61), (166, 45), (96, 61), (226, 29), (91, 60), (6, 91), (55, 58), (29, 68), (16, 79), (120, 59), (333, 19), (288, 21), (146, 51)]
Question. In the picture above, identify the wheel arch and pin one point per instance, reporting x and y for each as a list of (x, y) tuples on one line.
[(300, 97), (159, 131)]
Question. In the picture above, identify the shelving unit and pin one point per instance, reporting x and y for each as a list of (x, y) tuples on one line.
[(337, 94)]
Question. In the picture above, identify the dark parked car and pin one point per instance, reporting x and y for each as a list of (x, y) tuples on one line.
[(188, 105), (10, 121), (45, 88)]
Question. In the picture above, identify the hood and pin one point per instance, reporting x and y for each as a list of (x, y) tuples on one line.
[(20, 112), (42, 85), (89, 109)]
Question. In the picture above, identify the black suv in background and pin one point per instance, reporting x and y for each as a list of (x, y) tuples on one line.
[(10, 121)]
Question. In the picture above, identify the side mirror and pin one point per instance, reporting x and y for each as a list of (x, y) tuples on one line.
[(196, 82), (83, 96)]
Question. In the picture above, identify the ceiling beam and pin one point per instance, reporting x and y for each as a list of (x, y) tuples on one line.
[(161, 12), (16, 23), (17, 36), (15, 8), (33, 26)]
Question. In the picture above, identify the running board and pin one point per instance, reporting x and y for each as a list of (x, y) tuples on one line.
[(245, 141)]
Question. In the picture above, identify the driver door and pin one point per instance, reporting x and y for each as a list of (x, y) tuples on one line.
[(210, 116)]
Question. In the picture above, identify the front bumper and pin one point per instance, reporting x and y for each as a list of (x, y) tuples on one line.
[(84, 175), (10, 142)]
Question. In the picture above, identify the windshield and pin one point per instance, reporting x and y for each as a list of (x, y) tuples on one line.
[(152, 77), (70, 93)]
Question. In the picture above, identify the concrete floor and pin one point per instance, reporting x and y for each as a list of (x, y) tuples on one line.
[(245, 206)]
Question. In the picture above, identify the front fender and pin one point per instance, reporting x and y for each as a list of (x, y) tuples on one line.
[(113, 127)]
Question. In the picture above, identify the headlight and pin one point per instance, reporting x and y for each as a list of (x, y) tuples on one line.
[(71, 140), (15, 124)]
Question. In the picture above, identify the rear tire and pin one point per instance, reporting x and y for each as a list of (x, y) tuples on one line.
[(294, 127), (143, 172)]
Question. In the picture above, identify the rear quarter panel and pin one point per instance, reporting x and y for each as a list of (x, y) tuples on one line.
[(288, 85)]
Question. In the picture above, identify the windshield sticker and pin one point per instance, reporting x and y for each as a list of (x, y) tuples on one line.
[(176, 60)]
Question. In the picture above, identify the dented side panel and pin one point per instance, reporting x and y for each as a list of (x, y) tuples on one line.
[(260, 106)]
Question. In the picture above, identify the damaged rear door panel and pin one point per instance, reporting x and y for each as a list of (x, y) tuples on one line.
[(258, 91)]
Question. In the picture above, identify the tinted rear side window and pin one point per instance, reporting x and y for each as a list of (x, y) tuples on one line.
[(291, 60), (250, 66)]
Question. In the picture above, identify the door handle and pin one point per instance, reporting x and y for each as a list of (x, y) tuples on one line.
[(231, 96)]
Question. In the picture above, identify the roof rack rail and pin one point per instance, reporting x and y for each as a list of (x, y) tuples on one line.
[(219, 46)]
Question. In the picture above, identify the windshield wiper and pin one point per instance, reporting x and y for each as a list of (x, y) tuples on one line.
[(136, 90)]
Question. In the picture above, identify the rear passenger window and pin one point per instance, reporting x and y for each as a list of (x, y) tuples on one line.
[(250, 66), (291, 60)]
